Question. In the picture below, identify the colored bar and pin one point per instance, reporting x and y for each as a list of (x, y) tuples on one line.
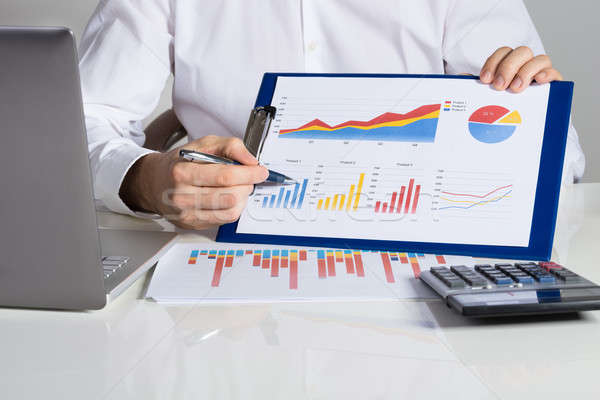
[(342, 202), (302, 193), (387, 266), (414, 263), (408, 195), (321, 263), (320, 204), (350, 194), (420, 255), (394, 256), (212, 255), (295, 196), (229, 259), (266, 259), (287, 198), (400, 199), (358, 191), (440, 259), (239, 253), (416, 199), (203, 252), (384, 208), (330, 263), (335, 200), (339, 256), (349, 263), (403, 258), (272, 202), (193, 257), (294, 270), (284, 258), (360, 271), (275, 263), (327, 203), (393, 202), (280, 198), (248, 251), (218, 269), (256, 260), (265, 202), (303, 255), (377, 205)]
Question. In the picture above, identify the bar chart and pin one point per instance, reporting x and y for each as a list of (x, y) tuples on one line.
[(291, 198), (347, 201), (403, 201), (203, 272), (329, 262)]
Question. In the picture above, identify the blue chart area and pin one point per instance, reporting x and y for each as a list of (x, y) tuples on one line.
[(422, 131), (488, 133), (291, 198)]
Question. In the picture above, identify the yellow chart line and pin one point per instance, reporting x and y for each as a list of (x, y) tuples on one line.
[(475, 202)]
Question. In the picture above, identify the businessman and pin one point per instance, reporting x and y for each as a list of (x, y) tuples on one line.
[(217, 52)]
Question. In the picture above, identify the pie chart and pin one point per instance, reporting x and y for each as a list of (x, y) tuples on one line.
[(493, 124)]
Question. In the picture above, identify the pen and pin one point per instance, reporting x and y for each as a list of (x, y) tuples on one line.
[(198, 157)]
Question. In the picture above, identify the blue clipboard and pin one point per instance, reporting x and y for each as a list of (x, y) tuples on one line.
[(546, 199)]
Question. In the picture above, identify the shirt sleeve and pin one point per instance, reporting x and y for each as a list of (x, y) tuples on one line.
[(125, 60), (476, 28)]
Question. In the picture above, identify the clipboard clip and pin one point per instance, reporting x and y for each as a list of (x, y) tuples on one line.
[(258, 128)]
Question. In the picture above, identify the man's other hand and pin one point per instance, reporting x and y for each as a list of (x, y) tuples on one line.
[(515, 69)]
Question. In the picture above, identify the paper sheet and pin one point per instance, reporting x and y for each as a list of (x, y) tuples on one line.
[(401, 159), (201, 272)]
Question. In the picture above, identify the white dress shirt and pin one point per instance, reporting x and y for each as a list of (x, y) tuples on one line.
[(218, 50)]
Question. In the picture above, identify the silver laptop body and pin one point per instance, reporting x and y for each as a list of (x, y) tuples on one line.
[(51, 249)]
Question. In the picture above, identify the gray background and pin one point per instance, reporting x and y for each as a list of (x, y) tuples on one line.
[(570, 35)]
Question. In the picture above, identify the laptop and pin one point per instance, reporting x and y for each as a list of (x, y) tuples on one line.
[(52, 253)]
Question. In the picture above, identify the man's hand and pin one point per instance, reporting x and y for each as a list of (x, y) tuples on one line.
[(515, 69), (194, 196)]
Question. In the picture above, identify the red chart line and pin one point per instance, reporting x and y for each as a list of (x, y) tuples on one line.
[(360, 271), (478, 196), (387, 266), (218, 271)]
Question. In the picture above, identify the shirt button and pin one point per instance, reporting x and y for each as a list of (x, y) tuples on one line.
[(312, 45)]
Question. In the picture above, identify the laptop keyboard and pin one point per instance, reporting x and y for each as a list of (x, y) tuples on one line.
[(111, 264)]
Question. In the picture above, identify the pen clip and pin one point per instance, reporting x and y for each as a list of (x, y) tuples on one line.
[(258, 128)]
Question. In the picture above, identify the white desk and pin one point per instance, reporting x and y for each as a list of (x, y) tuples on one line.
[(395, 350)]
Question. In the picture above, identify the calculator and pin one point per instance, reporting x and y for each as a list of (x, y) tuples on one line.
[(488, 290)]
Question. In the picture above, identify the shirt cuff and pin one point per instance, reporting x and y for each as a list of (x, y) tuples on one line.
[(111, 173)]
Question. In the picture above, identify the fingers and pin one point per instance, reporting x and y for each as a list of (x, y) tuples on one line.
[(548, 75), (205, 198), (507, 70), (488, 72), (232, 148), (525, 75), (217, 175), (516, 69), (201, 219)]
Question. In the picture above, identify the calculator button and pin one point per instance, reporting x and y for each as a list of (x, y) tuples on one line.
[(546, 279), (525, 280), (502, 280)]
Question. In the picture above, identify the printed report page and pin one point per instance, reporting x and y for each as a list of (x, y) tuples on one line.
[(402, 159)]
